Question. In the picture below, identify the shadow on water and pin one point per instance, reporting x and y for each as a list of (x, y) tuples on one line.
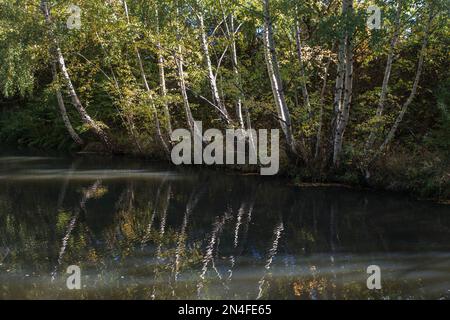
[(142, 230)]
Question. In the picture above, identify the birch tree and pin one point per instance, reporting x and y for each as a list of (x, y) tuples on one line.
[(387, 74), (85, 117), (162, 73), (273, 70), (304, 87), (212, 78), (344, 84), (415, 85), (148, 90), (62, 108)]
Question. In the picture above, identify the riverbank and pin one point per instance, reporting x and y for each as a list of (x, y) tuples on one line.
[(418, 178)]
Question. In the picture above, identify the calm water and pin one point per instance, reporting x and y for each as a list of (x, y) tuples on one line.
[(140, 230)]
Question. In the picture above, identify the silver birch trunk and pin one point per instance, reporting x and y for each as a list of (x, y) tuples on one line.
[(183, 90), (68, 82), (321, 104), (62, 109), (211, 77), (414, 88), (231, 31), (343, 111), (147, 88), (387, 75), (302, 67), (275, 79), (162, 77)]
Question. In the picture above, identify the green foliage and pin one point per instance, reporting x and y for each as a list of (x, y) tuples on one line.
[(102, 62)]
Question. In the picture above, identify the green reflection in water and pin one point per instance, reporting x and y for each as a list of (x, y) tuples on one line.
[(142, 230)]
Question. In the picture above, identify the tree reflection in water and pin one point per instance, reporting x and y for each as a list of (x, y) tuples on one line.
[(153, 232)]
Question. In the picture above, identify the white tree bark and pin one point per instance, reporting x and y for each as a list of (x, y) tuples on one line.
[(344, 86), (302, 67), (232, 32), (414, 88), (321, 104), (162, 76), (147, 88), (387, 75), (62, 108), (284, 116), (68, 82), (211, 77)]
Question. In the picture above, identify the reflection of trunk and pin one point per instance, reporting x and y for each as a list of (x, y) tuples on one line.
[(413, 92), (334, 237), (272, 253), (344, 85), (162, 228), (273, 70), (209, 255), (63, 191), (88, 194), (192, 203), (160, 239), (245, 209), (211, 77), (68, 82), (153, 214), (239, 223), (387, 75), (63, 111)]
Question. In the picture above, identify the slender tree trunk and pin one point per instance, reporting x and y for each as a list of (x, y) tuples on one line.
[(387, 75), (68, 82), (321, 104), (179, 61), (275, 79), (237, 76), (241, 108), (147, 88), (62, 108), (414, 88), (162, 76), (211, 77), (302, 67), (345, 75)]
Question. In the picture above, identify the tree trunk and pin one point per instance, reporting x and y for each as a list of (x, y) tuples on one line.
[(321, 104), (387, 75), (302, 67), (284, 116), (162, 77), (413, 92), (231, 31), (345, 79), (211, 77), (68, 82), (62, 108), (147, 88)]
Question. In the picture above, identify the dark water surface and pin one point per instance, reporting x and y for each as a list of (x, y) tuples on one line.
[(143, 230)]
